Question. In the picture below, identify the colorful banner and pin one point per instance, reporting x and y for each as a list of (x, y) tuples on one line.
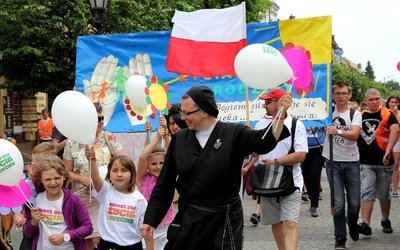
[(105, 62)]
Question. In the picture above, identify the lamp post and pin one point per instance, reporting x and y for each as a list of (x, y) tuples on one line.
[(99, 8)]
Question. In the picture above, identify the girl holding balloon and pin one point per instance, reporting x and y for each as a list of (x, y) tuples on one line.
[(105, 146), (150, 163), (38, 152), (122, 207), (59, 220)]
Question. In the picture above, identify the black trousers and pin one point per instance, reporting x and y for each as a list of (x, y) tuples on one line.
[(106, 245), (311, 170)]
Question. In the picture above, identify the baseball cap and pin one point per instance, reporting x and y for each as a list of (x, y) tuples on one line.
[(273, 94)]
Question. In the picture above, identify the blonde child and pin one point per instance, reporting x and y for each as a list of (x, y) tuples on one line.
[(33, 180), (122, 208), (64, 218), (150, 164)]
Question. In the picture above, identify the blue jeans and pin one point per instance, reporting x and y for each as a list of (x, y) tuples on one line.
[(346, 177)]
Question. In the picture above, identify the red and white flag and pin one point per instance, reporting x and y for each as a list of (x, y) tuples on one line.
[(205, 42)]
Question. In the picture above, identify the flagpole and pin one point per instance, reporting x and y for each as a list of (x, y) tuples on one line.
[(247, 106)]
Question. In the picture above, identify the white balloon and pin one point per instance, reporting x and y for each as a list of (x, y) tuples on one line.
[(103, 171), (75, 116), (11, 164), (134, 90), (262, 66)]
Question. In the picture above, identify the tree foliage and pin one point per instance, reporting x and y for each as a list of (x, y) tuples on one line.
[(38, 45), (356, 81), (369, 71), (37, 49)]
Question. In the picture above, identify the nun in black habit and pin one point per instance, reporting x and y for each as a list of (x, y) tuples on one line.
[(204, 163)]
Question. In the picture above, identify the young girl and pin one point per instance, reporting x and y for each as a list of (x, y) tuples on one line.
[(150, 164), (33, 180), (122, 208), (60, 220)]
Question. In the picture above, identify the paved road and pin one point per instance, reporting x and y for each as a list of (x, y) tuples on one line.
[(317, 233), (314, 233)]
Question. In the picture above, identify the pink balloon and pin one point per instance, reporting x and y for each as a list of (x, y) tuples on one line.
[(11, 195), (301, 66), (398, 66)]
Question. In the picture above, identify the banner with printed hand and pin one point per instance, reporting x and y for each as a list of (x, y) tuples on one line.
[(106, 62)]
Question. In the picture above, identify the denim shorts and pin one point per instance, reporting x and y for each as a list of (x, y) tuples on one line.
[(375, 182)]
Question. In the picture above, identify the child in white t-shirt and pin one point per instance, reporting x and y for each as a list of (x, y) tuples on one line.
[(60, 220), (122, 208)]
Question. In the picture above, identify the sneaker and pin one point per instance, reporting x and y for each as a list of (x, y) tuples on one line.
[(364, 229), (304, 196), (313, 211), (255, 219), (395, 194), (340, 243), (353, 231), (387, 226)]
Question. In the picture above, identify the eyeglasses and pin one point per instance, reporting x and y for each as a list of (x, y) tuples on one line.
[(268, 101), (341, 93), (100, 119), (184, 113)]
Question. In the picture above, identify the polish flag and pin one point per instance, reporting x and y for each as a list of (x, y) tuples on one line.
[(205, 42)]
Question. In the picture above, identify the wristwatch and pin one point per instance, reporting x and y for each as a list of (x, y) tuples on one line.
[(276, 163), (67, 237), (339, 131)]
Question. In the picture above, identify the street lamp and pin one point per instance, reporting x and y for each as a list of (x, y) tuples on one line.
[(99, 8)]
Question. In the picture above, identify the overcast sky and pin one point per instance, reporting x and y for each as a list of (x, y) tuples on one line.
[(366, 30)]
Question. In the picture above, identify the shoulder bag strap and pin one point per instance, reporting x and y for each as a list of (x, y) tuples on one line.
[(293, 133)]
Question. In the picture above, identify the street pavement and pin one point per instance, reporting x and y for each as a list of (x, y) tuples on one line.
[(317, 233), (314, 233)]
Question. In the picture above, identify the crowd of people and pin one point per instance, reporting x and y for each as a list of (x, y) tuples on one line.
[(197, 160)]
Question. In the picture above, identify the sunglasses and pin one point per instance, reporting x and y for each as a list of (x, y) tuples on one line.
[(100, 118), (268, 101)]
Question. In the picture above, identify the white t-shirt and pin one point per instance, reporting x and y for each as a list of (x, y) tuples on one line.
[(343, 149), (283, 147), (120, 215), (53, 218)]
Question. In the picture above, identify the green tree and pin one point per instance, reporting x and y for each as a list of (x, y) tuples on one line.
[(357, 81), (38, 45), (369, 71), (37, 49)]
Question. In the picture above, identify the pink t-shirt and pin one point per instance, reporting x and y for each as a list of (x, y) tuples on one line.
[(148, 183)]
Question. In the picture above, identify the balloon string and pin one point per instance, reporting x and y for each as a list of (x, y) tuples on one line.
[(90, 183), (162, 142), (148, 131), (278, 115), (29, 205)]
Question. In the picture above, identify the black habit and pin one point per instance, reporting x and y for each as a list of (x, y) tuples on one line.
[(210, 216)]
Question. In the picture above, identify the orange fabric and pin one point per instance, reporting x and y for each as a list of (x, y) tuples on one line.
[(47, 129), (383, 131)]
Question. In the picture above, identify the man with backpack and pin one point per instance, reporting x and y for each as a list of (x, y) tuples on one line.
[(343, 169), (379, 134), (282, 212)]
